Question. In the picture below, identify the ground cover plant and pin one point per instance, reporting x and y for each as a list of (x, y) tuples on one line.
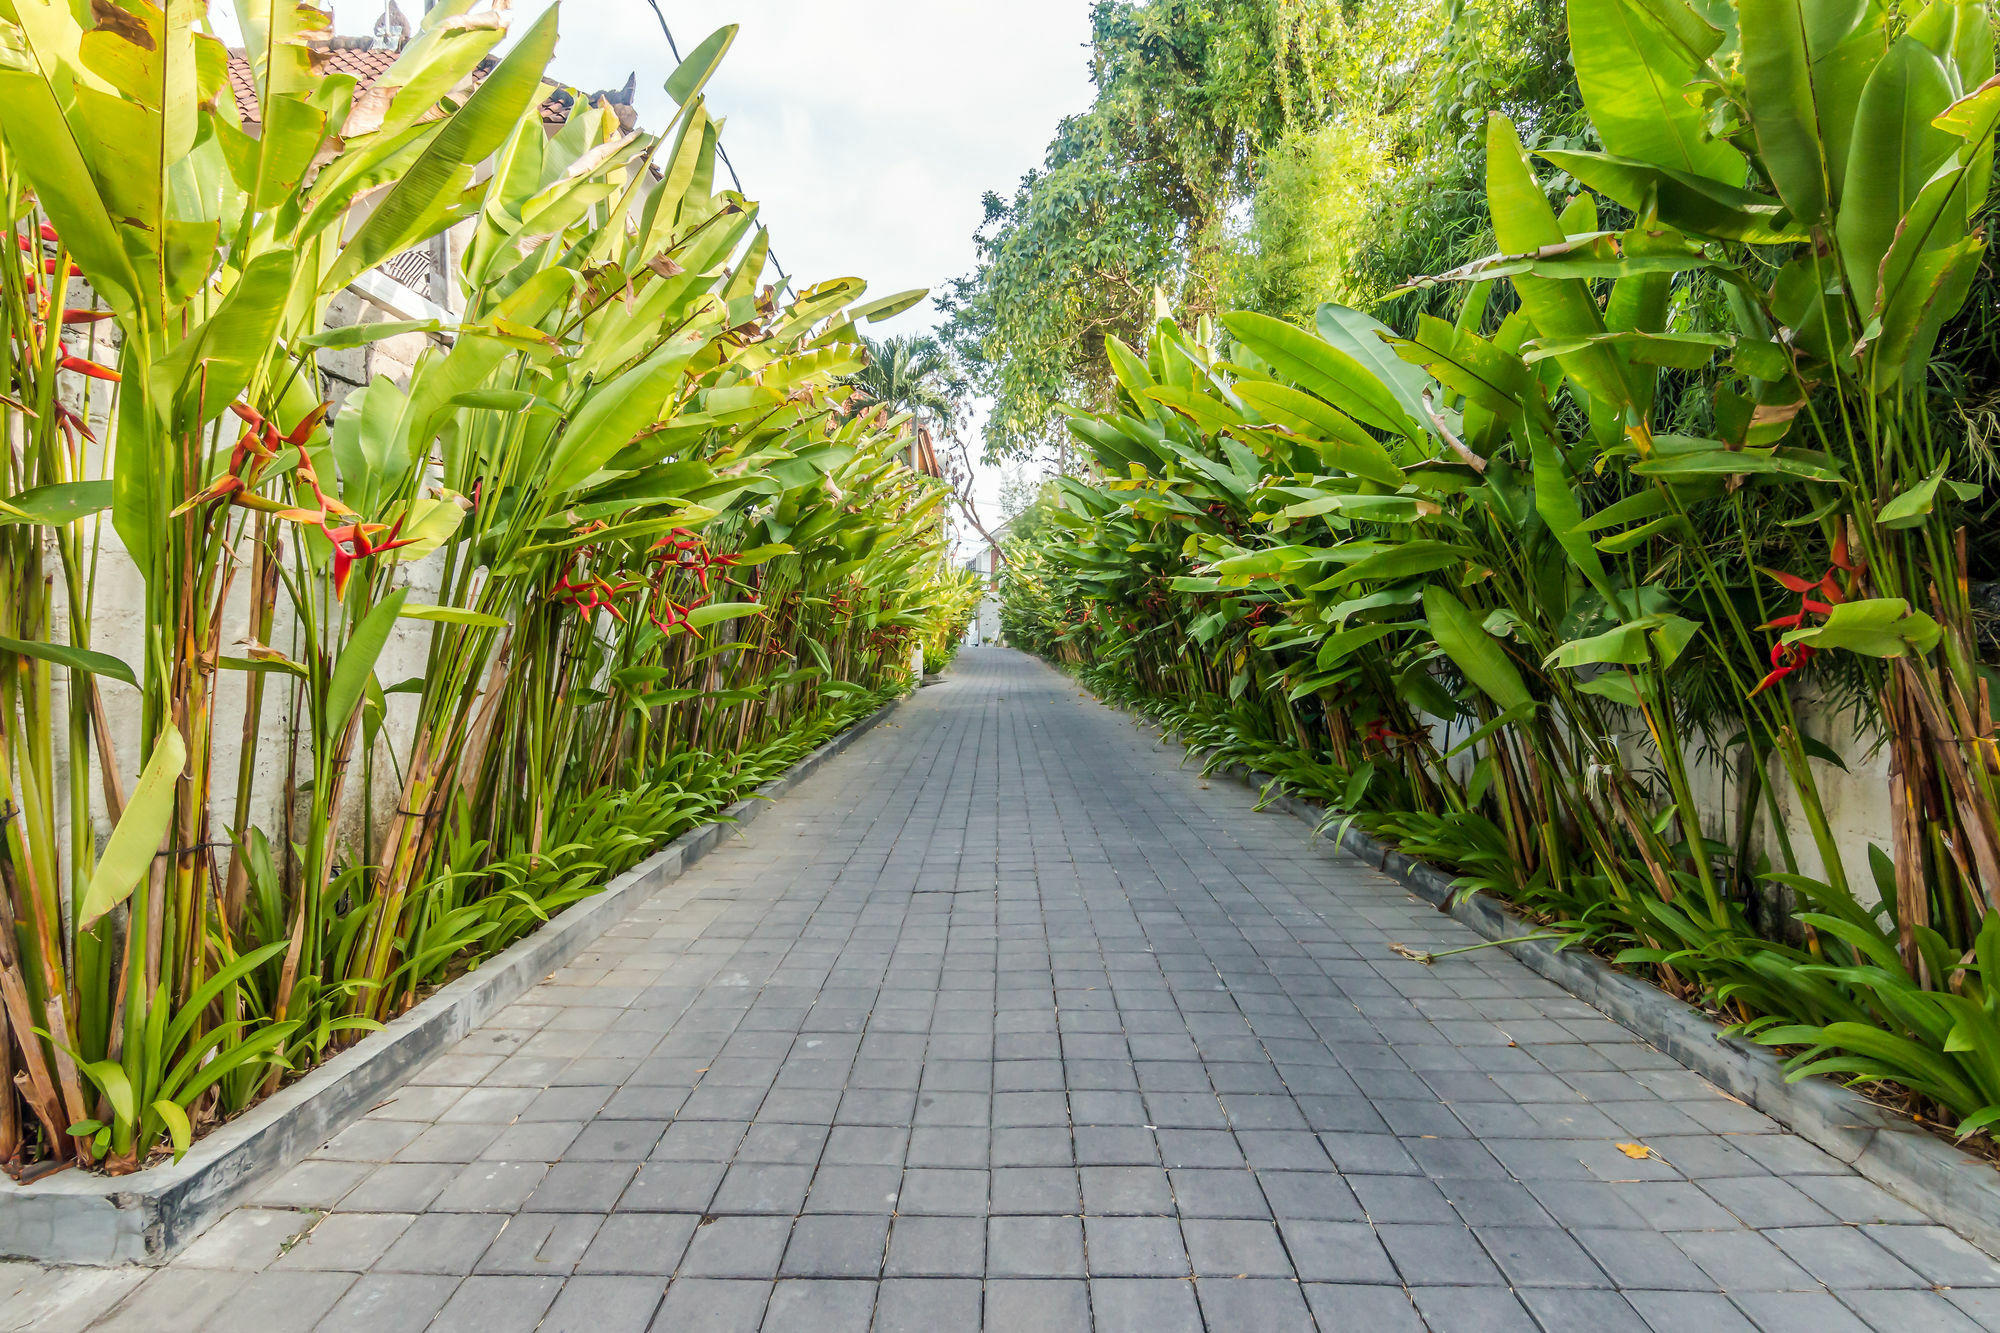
[(1606, 513), (657, 547)]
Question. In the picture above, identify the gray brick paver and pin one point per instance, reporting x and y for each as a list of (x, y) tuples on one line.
[(1006, 1015)]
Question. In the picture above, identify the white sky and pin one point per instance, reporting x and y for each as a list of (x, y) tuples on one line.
[(868, 129)]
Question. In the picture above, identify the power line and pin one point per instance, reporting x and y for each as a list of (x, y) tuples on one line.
[(674, 47)]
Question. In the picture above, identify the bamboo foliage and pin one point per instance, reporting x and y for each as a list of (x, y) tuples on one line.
[(1462, 582), (651, 548)]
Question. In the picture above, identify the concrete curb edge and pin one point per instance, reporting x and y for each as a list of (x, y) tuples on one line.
[(80, 1218), (1956, 1189)]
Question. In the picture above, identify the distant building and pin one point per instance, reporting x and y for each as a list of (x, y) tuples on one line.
[(989, 564)]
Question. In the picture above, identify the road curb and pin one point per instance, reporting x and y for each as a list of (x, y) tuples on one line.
[(1958, 1190), (80, 1218)]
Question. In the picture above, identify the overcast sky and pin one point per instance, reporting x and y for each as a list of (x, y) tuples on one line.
[(868, 129)]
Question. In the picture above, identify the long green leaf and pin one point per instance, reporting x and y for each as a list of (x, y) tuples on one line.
[(57, 504), (47, 151), (1560, 308), (129, 852), (1337, 437), (453, 615), (1474, 651), (222, 356), (693, 72), (1637, 90), (1895, 151), (1401, 562), (76, 659), (1874, 627), (1365, 338), (193, 1013), (360, 335), (1317, 365), (1555, 501), (357, 661), (1777, 78), (620, 410), (715, 612), (1690, 203)]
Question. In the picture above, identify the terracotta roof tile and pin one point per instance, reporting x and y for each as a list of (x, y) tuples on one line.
[(365, 65)]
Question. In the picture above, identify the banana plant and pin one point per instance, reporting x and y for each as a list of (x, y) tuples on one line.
[(619, 463), (1462, 582), (214, 254)]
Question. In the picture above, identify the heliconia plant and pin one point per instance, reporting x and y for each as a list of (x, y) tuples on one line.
[(1467, 584), (654, 545)]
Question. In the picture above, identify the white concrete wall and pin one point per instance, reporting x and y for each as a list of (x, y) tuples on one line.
[(1856, 800), (985, 626)]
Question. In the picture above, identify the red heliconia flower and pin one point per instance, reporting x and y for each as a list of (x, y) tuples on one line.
[(1785, 659), (256, 449), (686, 551), (89, 368), (1789, 657), (592, 595), (1807, 606), (675, 617), (327, 507), (354, 542), (679, 547), (1383, 734), (72, 425)]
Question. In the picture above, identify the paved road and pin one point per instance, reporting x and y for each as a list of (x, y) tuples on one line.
[(1004, 1016)]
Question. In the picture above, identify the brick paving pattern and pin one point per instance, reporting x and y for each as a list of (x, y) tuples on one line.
[(1005, 1016)]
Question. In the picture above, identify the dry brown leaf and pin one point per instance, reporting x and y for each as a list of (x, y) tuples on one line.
[(1769, 414)]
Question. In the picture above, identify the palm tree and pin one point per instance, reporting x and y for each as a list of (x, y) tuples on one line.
[(910, 373), (915, 373)]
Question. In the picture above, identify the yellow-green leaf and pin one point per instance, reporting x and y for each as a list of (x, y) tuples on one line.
[(1637, 87), (178, 1128), (129, 852), (450, 615), (719, 611), (1474, 651)]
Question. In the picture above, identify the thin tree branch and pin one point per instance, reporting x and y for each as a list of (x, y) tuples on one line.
[(1471, 460)]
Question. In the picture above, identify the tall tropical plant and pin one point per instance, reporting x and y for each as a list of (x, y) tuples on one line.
[(657, 551), (1461, 579)]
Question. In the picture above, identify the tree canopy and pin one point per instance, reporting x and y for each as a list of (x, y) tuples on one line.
[(1268, 155)]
